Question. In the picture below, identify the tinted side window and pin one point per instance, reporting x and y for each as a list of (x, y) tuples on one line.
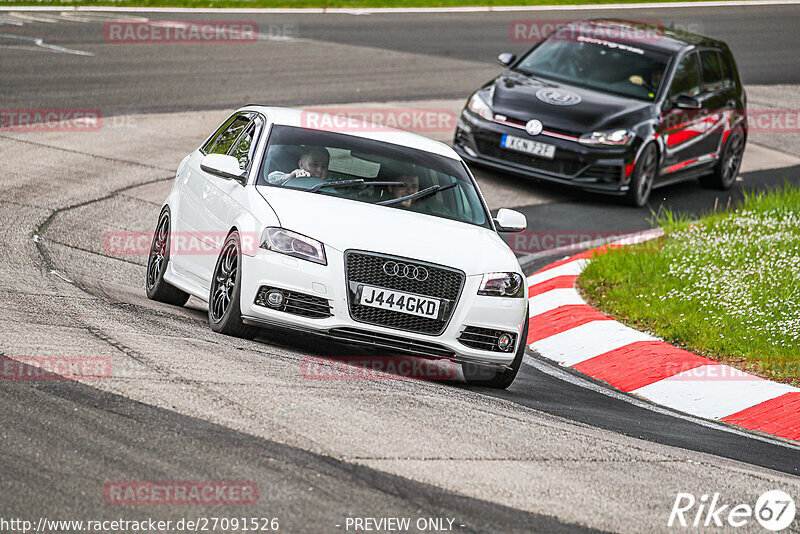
[(225, 139), (727, 71), (687, 77), (712, 70), (244, 147)]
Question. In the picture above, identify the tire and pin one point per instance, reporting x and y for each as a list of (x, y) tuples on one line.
[(477, 375), (157, 288), (644, 174), (727, 168), (224, 311)]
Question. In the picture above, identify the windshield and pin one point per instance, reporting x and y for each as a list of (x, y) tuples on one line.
[(599, 64), (326, 163)]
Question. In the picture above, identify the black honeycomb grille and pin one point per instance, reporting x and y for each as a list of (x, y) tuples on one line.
[(442, 283), (566, 164)]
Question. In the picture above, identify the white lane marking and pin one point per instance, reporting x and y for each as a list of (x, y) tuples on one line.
[(586, 341), (712, 391), (571, 268), (11, 21), (43, 17), (465, 9), (41, 44), (560, 374), (555, 298), (169, 23), (76, 16)]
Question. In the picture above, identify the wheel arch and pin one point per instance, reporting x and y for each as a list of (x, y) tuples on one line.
[(249, 230)]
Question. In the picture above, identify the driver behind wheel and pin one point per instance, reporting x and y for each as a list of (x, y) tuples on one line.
[(651, 82), (313, 162), (410, 185)]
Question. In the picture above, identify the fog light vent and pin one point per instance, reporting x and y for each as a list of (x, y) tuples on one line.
[(293, 302), (488, 339)]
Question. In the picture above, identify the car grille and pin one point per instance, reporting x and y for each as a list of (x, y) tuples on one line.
[(565, 163), (442, 283), (483, 338), (384, 341), (297, 303)]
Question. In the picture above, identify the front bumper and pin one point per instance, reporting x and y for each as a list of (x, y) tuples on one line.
[(271, 269), (603, 170)]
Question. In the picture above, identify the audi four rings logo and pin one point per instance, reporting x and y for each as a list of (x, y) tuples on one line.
[(412, 272)]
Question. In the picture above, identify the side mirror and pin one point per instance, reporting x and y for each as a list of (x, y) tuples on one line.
[(222, 165), (686, 102), (506, 59), (510, 221)]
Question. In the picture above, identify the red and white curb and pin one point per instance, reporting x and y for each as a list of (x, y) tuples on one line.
[(565, 329)]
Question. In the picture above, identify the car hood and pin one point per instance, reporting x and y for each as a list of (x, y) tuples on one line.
[(514, 95), (348, 224)]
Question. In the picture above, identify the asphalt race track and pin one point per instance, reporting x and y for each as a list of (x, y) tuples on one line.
[(553, 453), (366, 58)]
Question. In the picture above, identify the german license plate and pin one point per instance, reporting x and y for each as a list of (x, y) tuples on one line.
[(387, 299), (527, 146)]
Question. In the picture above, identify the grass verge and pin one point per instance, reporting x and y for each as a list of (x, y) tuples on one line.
[(310, 3), (726, 287)]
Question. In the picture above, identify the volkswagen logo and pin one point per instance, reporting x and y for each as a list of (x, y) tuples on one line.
[(402, 270), (534, 127), (557, 97)]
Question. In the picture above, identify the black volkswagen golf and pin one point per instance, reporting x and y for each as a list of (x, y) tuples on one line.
[(614, 107)]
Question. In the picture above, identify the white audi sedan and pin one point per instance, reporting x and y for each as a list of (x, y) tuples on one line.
[(368, 235)]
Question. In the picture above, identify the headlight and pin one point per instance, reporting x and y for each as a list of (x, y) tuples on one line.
[(502, 285), (293, 244), (478, 106), (608, 137)]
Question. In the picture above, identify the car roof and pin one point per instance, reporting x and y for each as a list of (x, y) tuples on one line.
[(655, 36), (326, 122)]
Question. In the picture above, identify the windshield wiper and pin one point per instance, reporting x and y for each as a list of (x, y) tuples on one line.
[(432, 190), (345, 183)]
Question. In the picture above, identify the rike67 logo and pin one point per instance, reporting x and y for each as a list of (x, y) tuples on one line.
[(774, 510)]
